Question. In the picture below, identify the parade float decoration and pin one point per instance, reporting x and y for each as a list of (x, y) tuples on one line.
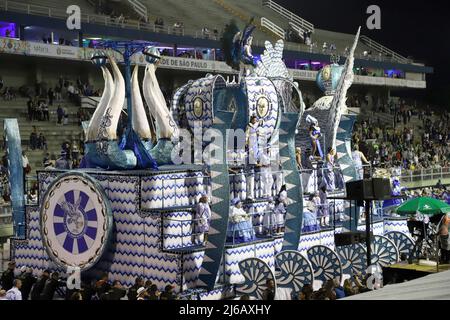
[(131, 209)]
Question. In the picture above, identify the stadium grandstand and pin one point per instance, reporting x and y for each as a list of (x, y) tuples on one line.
[(34, 30)]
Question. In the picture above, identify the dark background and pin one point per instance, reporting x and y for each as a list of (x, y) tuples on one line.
[(420, 29)]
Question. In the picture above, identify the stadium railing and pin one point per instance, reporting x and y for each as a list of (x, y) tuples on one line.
[(32, 9), (409, 176)]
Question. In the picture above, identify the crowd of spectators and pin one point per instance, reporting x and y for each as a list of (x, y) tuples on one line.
[(409, 146), (22, 284)]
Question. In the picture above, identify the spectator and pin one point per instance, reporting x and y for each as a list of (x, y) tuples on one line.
[(102, 286), (306, 293), (348, 288), (30, 109), (168, 293), (141, 294), (28, 280), (63, 163), (329, 288), (76, 296), (117, 292), (44, 110), (3, 295), (8, 276), (38, 287), (42, 142), (60, 114), (269, 293), (338, 289), (153, 293), (14, 293), (34, 139), (132, 292), (51, 285)]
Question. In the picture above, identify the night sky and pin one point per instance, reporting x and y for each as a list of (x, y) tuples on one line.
[(420, 29)]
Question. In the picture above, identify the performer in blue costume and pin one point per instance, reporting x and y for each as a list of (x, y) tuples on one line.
[(240, 228), (240, 57), (329, 171), (315, 134), (310, 218)]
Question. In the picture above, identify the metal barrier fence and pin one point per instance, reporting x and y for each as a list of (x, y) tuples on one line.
[(409, 176)]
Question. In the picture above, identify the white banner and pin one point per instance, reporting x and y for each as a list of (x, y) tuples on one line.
[(74, 53), (54, 51)]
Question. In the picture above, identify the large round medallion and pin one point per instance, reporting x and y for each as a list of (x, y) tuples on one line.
[(76, 221), (262, 106), (198, 107)]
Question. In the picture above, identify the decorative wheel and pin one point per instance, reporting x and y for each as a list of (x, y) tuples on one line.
[(256, 273), (353, 258), (76, 221), (384, 251), (403, 242), (296, 270), (325, 263)]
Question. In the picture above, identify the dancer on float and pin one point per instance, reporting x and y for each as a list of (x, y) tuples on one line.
[(358, 159), (315, 135), (240, 228), (252, 133), (202, 216), (329, 172)]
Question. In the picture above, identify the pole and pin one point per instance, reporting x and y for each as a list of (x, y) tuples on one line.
[(368, 238), (126, 60)]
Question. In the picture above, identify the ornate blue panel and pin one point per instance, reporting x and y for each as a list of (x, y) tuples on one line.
[(256, 273), (76, 221), (384, 251), (353, 258), (325, 263), (403, 242), (295, 270)]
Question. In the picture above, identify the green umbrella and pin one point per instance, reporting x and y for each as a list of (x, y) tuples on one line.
[(424, 205)]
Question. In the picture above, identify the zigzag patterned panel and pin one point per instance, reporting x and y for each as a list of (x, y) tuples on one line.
[(377, 228), (345, 161), (168, 190), (324, 238), (400, 225), (220, 207), (294, 214)]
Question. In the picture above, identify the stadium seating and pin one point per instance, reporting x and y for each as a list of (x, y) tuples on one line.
[(55, 134), (86, 7)]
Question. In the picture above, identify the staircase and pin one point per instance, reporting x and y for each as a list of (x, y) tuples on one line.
[(386, 51), (246, 18), (139, 8), (297, 23), (269, 25)]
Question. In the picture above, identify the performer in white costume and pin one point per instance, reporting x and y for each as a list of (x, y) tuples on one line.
[(280, 212), (202, 216), (252, 134), (358, 160), (269, 221), (266, 178)]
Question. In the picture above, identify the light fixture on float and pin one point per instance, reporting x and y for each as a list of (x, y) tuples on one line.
[(152, 54), (99, 58)]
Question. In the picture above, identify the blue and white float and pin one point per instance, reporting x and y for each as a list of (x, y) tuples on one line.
[(131, 212)]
